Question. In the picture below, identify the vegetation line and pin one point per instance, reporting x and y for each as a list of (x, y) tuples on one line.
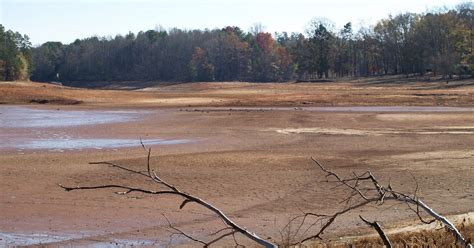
[(438, 43)]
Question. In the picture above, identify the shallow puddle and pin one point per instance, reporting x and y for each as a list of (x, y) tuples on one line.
[(17, 239), (23, 117), (61, 145), (70, 240), (23, 128)]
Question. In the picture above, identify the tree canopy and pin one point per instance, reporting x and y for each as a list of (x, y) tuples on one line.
[(410, 44), (15, 55)]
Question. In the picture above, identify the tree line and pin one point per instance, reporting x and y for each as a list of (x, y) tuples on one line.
[(439, 42), (15, 55)]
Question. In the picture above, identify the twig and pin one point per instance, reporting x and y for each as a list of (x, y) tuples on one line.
[(180, 232)]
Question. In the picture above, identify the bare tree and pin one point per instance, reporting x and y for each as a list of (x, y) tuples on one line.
[(363, 189)]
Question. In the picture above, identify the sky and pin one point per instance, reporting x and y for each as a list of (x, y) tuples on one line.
[(67, 20)]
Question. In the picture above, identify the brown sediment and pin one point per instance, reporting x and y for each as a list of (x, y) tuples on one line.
[(240, 163)]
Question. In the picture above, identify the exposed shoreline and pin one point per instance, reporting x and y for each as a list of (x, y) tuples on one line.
[(259, 177)]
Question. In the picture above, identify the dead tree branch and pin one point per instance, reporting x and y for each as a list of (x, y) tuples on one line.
[(170, 189), (369, 190), (379, 230), (179, 232), (363, 189)]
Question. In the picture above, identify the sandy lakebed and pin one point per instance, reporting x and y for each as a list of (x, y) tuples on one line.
[(251, 160)]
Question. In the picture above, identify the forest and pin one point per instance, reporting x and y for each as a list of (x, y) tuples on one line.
[(439, 43), (15, 55)]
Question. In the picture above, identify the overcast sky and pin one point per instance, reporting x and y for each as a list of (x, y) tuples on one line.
[(54, 20)]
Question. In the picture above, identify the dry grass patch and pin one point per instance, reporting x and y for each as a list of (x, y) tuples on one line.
[(434, 238)]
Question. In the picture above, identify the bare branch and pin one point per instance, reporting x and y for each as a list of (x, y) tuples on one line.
[(143, 145), (186, 201), (379, 230), (113, 165), (418, 214), (385, 194), (340, 180), (148, 162), (180, 232), (220, 230), (332, 218), (363, 189), (446, 222), (221, 237), (129, 189), (174, 191)]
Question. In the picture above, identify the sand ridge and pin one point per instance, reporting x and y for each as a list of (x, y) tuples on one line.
[(347, 131)]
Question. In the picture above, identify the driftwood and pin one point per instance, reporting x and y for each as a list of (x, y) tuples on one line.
[(364, 189)]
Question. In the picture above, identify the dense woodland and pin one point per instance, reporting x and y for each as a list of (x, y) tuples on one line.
[(410, 44), (15, 55)]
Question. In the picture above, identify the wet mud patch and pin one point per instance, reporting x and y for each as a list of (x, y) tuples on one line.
[(71, 144), (23, 117), (23, 128)]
